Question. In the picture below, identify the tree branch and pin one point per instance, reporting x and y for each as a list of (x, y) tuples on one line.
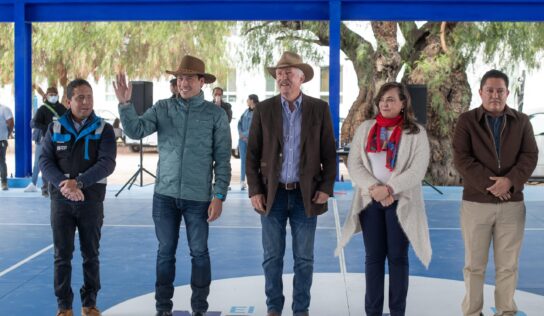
[(260, 26), (443, 37), (298, 38)]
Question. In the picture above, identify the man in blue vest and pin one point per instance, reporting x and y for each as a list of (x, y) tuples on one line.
[(78, 154)]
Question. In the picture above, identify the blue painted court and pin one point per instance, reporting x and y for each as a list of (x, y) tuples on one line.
[(128, 249)]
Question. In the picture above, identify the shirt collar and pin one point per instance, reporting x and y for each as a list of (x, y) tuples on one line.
[(481, 112), (298, 102), (194, 100)]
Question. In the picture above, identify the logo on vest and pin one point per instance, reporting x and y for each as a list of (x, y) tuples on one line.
[(62, 147)]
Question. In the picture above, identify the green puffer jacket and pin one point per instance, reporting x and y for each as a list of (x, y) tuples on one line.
[(194, 139)]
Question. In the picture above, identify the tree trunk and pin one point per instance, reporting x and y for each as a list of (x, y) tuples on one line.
[(63, 80), (448, 95), (384, 63)]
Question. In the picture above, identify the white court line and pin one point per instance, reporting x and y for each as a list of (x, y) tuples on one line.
[(341, 258), (20, 263)]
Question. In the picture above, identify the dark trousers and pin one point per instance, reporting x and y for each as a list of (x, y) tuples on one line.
[(167, 215), (3, 166), (384, 238), (87, 217)]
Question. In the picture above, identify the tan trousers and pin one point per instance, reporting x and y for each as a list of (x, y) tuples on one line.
[(503, 223)]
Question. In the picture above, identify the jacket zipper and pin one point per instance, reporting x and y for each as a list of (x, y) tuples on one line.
[(74, 143), (183, 142), (500, 140)]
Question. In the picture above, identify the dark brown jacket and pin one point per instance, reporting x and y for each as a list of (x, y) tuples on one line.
[(317, 152), (475, 156)]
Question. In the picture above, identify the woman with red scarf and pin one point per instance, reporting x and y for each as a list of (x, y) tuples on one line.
[(388, 159)]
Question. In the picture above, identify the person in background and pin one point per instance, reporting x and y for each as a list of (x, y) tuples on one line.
[(218, 100), (174, 88), (387, 162), (51, 110), (6, 128), (243, 132)]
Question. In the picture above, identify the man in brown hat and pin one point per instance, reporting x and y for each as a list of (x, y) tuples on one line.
[(194, 148), (291, 167)]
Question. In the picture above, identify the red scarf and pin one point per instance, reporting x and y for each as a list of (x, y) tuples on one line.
[(377, 138)]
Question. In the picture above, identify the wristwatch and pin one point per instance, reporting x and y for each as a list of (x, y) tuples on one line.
[(79, 184), (220, 196)]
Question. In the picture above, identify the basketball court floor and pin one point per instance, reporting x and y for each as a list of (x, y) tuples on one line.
[(128, 250)]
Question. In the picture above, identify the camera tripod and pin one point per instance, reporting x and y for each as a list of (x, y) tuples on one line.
[(140, 172)]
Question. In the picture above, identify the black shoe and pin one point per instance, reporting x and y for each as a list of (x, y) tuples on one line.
[(198, 313), (164, 313)]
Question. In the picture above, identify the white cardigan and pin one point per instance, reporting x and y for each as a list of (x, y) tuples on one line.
[(410, 169)]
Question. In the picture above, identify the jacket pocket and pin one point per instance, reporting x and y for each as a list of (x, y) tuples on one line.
[(200, 136)]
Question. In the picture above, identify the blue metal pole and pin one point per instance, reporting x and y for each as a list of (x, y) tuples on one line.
[(334, 70), (23, 86)]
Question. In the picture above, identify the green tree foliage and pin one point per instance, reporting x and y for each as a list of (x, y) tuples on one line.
[(6, 53), (63, 51)]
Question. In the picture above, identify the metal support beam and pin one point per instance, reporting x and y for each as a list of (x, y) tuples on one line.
[(334, 72), (23, 91)]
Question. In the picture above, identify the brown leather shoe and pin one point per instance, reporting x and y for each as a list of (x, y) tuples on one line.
[(65, 312), (90, 311), (273, 313)]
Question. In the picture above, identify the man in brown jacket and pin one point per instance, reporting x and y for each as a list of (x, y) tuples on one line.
[(495, 152), (291, 167)]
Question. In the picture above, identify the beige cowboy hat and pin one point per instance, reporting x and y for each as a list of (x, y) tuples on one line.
[(192, 66), (290, 59)]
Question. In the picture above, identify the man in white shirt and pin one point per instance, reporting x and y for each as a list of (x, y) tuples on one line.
[(6, 128)]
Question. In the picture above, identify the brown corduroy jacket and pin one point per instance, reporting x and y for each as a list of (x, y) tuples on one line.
[(317, 152), (476, 159)]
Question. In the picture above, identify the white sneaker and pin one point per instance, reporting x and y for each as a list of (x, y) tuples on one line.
[(243, 186), (31, 188)]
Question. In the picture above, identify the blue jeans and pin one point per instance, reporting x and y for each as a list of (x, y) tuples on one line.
[(242, 148), (87, 217), (36, 168), (384, 238), (3, 165), (167, 215), (288, 205)]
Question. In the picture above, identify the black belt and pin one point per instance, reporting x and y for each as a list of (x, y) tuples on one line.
[(289, 186)]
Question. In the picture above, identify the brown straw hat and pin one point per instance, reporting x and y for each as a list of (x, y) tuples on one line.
[(290, 59), (192, 66)]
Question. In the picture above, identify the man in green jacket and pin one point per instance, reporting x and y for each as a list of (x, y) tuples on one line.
[(194, 147)]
